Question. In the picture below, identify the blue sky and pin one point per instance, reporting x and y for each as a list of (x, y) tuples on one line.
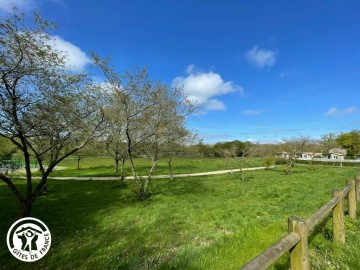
[(263, 70)]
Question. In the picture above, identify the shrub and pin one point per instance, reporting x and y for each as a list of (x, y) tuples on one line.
[(280, 161)]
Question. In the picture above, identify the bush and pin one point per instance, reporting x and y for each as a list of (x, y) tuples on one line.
[(280, 161), (269, 161)]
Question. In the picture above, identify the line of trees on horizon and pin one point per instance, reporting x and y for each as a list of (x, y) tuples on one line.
[(350, 141)]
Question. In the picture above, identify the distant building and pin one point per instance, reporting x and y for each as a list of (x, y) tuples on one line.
[(336, 154), (309, 155), (283, 155)]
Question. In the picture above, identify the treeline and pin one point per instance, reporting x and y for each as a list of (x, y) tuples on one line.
[(349, 141)]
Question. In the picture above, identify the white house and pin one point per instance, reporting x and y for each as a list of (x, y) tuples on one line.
[(336, 154), (309, 155), (283, 155)]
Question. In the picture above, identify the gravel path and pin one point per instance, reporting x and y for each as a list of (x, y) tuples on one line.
[(154, 176)]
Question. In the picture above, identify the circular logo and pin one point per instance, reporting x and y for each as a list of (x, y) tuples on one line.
[(28, 239)]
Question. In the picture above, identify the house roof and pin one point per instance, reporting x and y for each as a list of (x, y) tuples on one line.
[(338, 151), (310, 153)]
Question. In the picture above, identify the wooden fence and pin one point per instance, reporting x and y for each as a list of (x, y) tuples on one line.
[(297, 240)]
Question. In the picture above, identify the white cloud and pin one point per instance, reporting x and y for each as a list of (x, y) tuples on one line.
[(7, 5), (338, 112), (190, 69), (261, 58), (202, 86), (252, 112), (75, 58), (215, 105)]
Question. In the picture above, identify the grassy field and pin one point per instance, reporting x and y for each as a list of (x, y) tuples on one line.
[(214, 222), (103, 166)]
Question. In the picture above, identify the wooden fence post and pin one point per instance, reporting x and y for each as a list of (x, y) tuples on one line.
[(338, 218), (352, 199), (357, 187), (299, 254)]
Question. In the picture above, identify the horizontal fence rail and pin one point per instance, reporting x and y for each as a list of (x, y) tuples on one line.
[(316, 218), (297, 240), (273, 253)]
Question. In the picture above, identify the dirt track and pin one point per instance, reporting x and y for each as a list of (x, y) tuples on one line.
[(155, 176)]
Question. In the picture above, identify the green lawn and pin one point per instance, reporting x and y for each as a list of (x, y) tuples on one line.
[(103, 166), (214, 222)]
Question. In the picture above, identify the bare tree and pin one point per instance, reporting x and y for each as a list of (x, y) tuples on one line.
[(292, 147), (166, 121), (132, 95), (229, 153), (47, 112), (246, 155), (313, 146), (176, 140), (265, 151), (90, 149), (143, 109), (115, 146)]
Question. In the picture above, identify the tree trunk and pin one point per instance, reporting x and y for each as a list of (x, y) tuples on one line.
[(242, 174), (132, 165), (287, 170), (130, 155), (155, 160), (122, 176), (170, 169), (116, 162), (44, 190), (229, 164), (145, 183), (28, 171), (290, 165), (78, 163), (26, 207)]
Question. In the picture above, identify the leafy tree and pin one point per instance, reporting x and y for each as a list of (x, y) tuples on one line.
[(328, 141), (269, 161), (46, 111), (204, 149), (236, 148), (350, 141), (7, 149)]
